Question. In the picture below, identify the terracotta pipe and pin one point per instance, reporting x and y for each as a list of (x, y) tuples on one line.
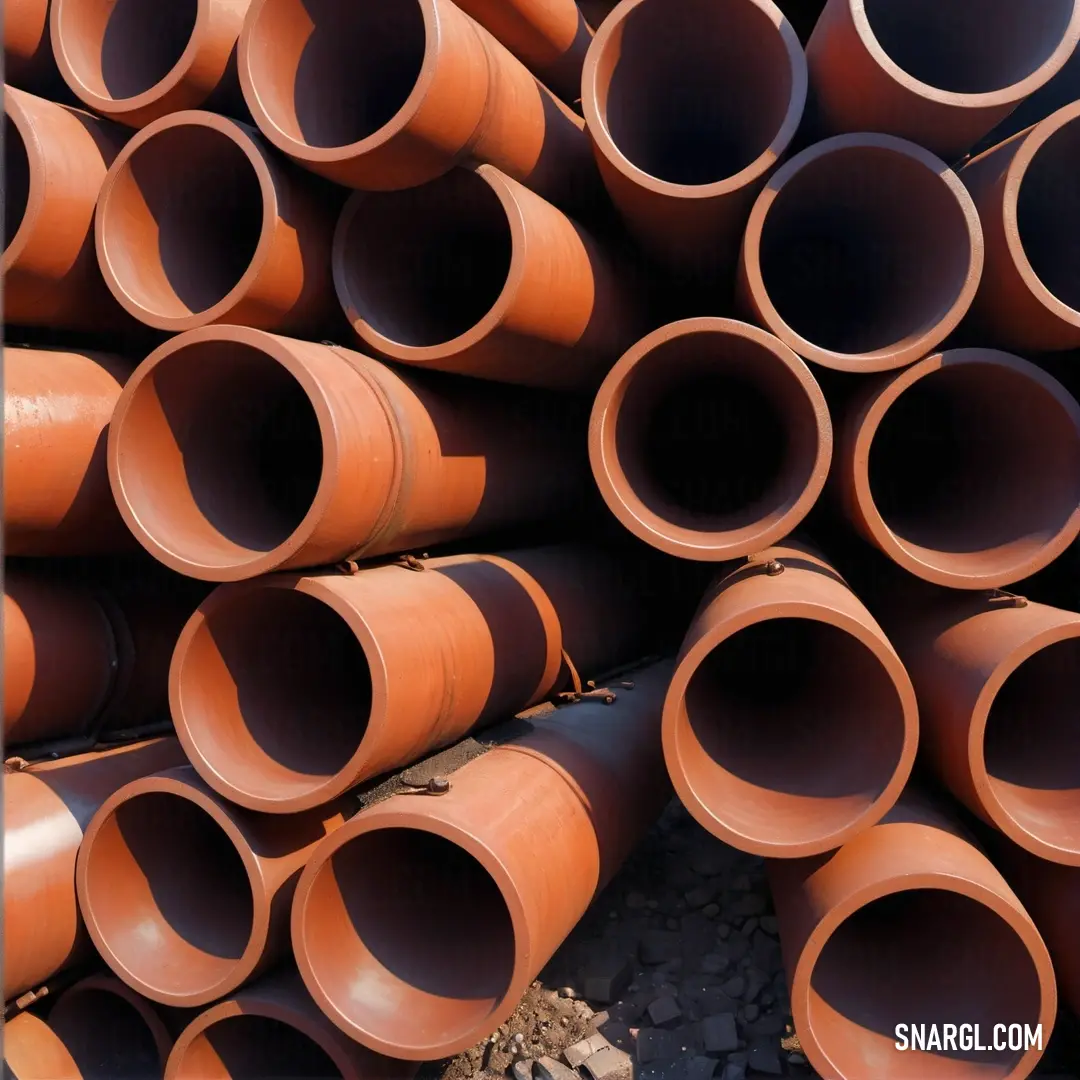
[(964, 469), (862, 254), (550, 37), (28, 56), (782, 654), (476, 274), (55, 161), (694, 394), (1029, 299), (237, 236), (377, 460), (909, 923), (382, 97), (401, 663), (188, 921), (939, 74), (410, 965), (690, 104), (57, 499), (33, 1051), (46, 809), (273, 1028)]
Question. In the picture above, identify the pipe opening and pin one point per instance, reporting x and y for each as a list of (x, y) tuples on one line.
[(330, 73), (16, 180), (696, 90), (107, 1037), (252, 682), (864, 249), (169, 893), (179, 240), (969, 46), (915, 957), (251, 1047), (1031, 745), (817, 692), (1048, 214), (403, 955), (237, 453), (422, 267), (119, 49), (975, 468)]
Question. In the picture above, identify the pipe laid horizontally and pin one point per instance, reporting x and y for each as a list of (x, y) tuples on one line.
[(235, 236), (233, 452), (384, 96), (399, 664), (907, 924), (940, 74), (137, 62), (476, 889), (46, 809), (862, 254), (186, 896), (710, 439), (476, 274), (791, 725), (964, 468), (1026, 192), (28, 57), (690, 104)]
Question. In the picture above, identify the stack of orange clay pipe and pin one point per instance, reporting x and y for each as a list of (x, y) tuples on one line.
[(379, 371)]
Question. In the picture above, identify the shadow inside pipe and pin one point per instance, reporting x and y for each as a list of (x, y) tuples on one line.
[(917, 957), (15, 181), (250, 1047), (140, 42), (106, 1036)]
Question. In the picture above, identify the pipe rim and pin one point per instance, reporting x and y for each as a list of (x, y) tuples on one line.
[(243, 140), (242, 968), (16, 110), (688, 666), (857, 467), (631, 510), (895, 355), (602, 139), (208, 769), (380, 818), (236, 569)]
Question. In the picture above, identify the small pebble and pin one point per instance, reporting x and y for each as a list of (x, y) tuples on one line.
[(749, 927), (673, 924), (652, 905), (723, 929), (518, 1038), (567, 992), (769, 924), (710, 911), (523, 1070), (797, 1059), (751, 1012), (742, 883)]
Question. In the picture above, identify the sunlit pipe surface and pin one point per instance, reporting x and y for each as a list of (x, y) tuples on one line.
[(477, 888), (28, 57)]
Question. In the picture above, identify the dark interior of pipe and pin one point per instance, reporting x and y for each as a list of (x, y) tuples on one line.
[(332, 72), (254, 1048), (169, 892), (245, 452), (442, 957), (16, 181), (180, 239), (106, 1036), (699, 89), (916, 957), (276, 692), (817, 692), (969, 46), (863, 249), (975, 467), (423, 266), (1032, 745), (1048, 214)]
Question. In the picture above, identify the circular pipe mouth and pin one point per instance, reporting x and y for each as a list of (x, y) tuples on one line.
[(710, 439), (124, 52), (971, 47), (422, 271), (967, 469), (250, 670), (17, 181), (788, 736), (914, 956), (180, 246), (167, 889), (217, 454), (863, 252), (326, 75), (399, 961), (700, 94)]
